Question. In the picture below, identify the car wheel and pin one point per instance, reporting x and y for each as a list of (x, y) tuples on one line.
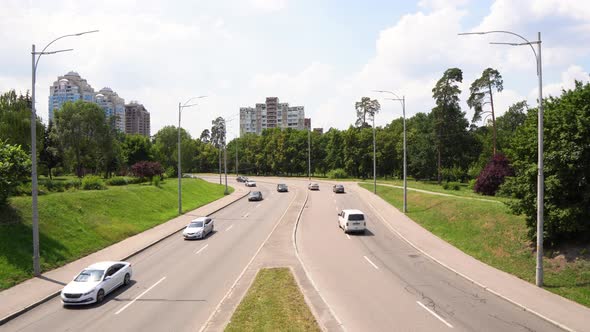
[(100, 296), (126, 280)]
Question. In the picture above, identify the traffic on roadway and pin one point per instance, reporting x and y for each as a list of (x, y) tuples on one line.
[(371, 279)]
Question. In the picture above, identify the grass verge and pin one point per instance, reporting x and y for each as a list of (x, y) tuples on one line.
[(273, 303), (489, 232), (75, 224)]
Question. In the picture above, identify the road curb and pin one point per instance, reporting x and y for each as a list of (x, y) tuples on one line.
[(17, 313)]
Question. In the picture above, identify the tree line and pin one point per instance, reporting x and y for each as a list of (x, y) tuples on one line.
[(442, 145)]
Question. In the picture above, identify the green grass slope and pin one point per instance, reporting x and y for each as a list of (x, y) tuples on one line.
[(75, 224)]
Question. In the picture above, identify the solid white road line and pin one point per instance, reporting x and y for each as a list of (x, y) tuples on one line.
[(258, 205), (230, 227), (368, 260), (140, 295), (199, 251), (246, 215), (434, 314), (348, 236)]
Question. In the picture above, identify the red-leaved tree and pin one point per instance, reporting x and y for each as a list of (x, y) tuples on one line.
[(492, 176), (147, 169)]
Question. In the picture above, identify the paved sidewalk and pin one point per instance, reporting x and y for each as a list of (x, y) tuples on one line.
[(560, 311), (26, 295)]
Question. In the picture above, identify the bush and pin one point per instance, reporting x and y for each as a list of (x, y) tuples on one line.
[(15, 167), (471, 184), (93, 183), (73, 184), (53, 185), (337, 173), (451, 186), (117, 181), (453, 174), (492, 176), (156, 181), (147, 169)]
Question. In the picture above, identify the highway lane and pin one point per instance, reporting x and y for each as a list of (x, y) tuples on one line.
[(378, 282), (176, 284)]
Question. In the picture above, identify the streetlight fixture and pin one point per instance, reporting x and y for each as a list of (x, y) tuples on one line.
[(402, 100), (36, 56), (540, 176), (309, 153), (180, 107)]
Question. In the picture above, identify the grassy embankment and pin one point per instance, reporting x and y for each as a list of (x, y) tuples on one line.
[(273, 303), (491, 234), (77, 223)]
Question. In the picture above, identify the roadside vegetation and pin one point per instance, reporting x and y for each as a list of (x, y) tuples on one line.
[(76, 223), (489, 232), (273, 303)]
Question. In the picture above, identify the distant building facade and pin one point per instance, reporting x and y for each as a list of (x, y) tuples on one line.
[(271, 114), (70, 87), (137, 119), (113, 106)]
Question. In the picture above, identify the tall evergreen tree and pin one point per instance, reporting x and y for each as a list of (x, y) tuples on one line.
[(450, 125), (367, 107), (481, 93)]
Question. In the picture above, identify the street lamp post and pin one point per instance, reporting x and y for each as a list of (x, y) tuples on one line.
[(540, 176), (374, 159), (309, 154), (36, 56), (180, 107), (403, 101)]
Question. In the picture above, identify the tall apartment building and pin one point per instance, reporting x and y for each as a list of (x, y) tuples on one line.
[(70, 87), (113, 105), (271, 114), (137, 119)]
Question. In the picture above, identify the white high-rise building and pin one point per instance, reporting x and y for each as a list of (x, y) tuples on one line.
[(271, 114), (113, 106), (70, 87)]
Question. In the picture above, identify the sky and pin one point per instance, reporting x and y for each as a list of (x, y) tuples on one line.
[(321, 54)]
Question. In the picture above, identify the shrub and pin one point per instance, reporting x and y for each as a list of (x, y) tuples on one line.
[(147, 169), (337, 173), (117, 181), (492, 176), (15, 166), (53, 185), (156, 181), (451, 186), (73, 184), (453, 174), (93, 183)]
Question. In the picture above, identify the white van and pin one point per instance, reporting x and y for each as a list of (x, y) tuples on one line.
[(352, 221)]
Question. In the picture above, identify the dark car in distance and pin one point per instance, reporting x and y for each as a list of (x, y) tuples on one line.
[(338, 188), (282, 188), (255, 196), (241, 179)]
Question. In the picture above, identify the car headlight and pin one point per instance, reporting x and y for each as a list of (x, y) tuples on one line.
[(88, 293)]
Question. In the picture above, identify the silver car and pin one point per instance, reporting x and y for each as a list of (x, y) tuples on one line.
[(198, 228)]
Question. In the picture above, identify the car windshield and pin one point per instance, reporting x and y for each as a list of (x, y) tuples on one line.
[(339, 186), (356, 217), (195, 224), (89, 276), (255, 193)]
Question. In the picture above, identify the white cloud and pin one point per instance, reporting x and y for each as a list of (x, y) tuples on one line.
[(568, 78), (269, 5)]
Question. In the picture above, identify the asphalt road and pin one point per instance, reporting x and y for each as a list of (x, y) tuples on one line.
[(176, 284), (378, 282)]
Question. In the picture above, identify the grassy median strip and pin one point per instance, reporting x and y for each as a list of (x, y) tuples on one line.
[(488, 232), (273, 303), (75, 224)]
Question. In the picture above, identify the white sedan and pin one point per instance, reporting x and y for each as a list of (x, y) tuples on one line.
[(250, 183), (198, 228), (95, 282)]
